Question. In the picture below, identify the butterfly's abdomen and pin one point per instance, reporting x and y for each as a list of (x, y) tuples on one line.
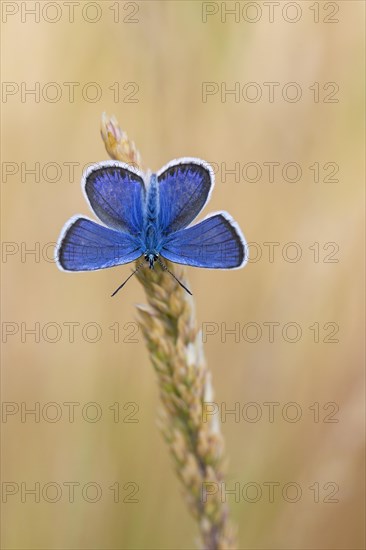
[(151, 233), (152, 206)]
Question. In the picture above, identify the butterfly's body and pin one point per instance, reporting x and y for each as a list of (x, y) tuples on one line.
[(150, 216), (151, 238)]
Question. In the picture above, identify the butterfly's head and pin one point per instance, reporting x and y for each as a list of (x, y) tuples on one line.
[(151, 258)]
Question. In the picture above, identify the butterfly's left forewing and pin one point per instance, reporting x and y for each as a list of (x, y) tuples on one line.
[(215, 243)]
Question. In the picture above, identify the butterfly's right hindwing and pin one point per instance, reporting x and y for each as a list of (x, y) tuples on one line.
[(116, 193)]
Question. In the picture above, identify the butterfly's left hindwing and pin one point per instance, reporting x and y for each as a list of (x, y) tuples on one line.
[(184, 188)]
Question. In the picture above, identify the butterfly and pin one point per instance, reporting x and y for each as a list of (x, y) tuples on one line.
[(149, 215)]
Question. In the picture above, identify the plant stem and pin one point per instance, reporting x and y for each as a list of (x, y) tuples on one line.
[(176, 352)]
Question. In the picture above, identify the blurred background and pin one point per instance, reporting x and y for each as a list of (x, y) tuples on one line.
[(287, 145)]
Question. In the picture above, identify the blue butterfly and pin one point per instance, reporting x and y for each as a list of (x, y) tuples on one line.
[(149, 215)]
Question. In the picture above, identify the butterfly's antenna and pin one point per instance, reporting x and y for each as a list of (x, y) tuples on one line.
[(172, 274), (128, 278)]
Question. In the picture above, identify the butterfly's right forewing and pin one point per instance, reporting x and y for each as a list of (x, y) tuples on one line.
[(85, 246)]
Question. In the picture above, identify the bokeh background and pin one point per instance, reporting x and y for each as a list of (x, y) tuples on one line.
[(167, 52)]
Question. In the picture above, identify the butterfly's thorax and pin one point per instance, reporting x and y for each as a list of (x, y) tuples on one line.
[(151, 234)]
